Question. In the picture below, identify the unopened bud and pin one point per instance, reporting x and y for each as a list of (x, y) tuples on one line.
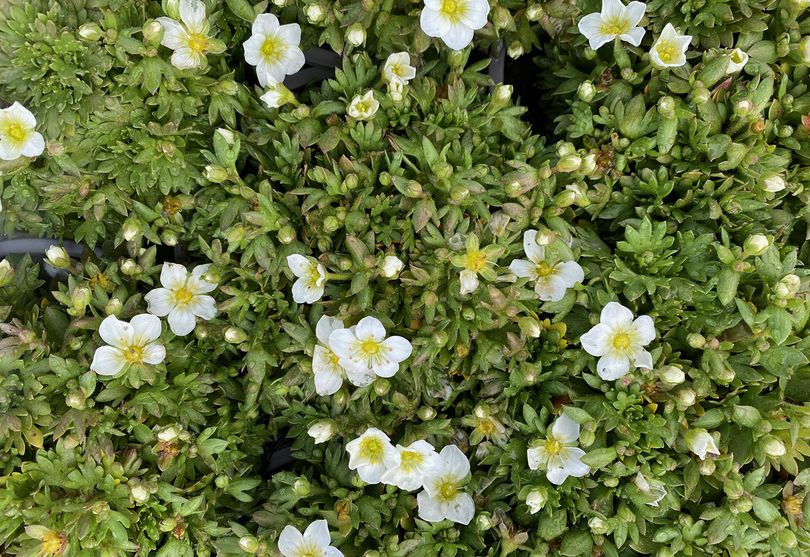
[(235, 335), (314, 13), (598, 525), (686, 398), (152, 32), (534, 12), (58, 257), (356, 34), (788, 286), (586, 91), (322, 431), (536, 499), (774, 447), (215, 174), (671, 376), (249, 544), (773, 183), (90, 32), (502, 94), (391, 266), (131, 229), (6, 272), (756, 244), (515, 50), (139, 493)]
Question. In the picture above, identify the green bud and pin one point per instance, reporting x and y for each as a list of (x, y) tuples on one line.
[(756, 244), (248, 544), (788, 287), (586, 91), (57, 257), (235, 335), (696, 340), (215, 173), (6, 272), (90, 32), (569, 163), (426, 413), (286, 235)]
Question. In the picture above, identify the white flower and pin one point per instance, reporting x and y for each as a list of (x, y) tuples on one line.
[(653, 489), (188, 40), (619, 341), (701, 443), (363, 107), (315, 541), (311, 278), (274, 49), (443, 496), (396, 90), (557, 453), (277, 95), (737, 60), (398, 68), (391, 266), (371, 455), (454, 21), (365, 349), (615, 20), (17, 135), (322, 431), (669, 51), (536, 500), (326, 366), (411, 465), (550, 281), (183, 297), (130, 343)]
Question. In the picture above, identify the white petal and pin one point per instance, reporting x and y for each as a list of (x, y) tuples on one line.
[(614, 314), (634, 12), (550, 289), (644, 330), (182, 321), (522, 268), (115, 332), (433, 24), (289, 540), (398, 349), (341, 342), (461, 510), (174, 35), (304, 293), (332, 552), (192, 12), (634, 36), (455, 461), (317, 534), (253, 49), (293, 61), (204, 307), (22, 115), (613, 366), (173, 276), (570, 272), (160, 301), (290, 34), (429, 508), (536, 457), (458, 36), (187, 59), (469, 281), (643, 359), (596, 341), (34, 145), (145, 328), (571, 457), (265, 24), (9, 151), (325, 326), (370, 328), (386, 368), (299, 264), (154, 353), (534, 251), (371, 473), (557, 476), (476, 15), (565, 430), (107, 361), (360, 377)]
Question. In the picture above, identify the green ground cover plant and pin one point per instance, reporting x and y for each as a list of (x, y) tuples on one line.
[(404, 310)]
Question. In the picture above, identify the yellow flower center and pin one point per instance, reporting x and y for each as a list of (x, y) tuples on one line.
[(273, 49), (615, 26), (447, 489), (370, 347), (476, 260), (133, 354), (333, 359), (485, 426), (309, 550), (666, 51), (409, 460), (15, 132), (371, 449), (553, 447), (183, 296), (197, 42), (313, 275), (543, 269), (52, 543), (621, 341), (453, 9), (362, 106)]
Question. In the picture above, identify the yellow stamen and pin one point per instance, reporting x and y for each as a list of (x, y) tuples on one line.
[(183, 296), (666, 51), (15, 132), (370, 347), (453, 9), (409, 460), (476, 260), (133, 354), (371, 449), (621, 341), (447, 489), (272, 49), (197, 42), (543, 269), (553, 447), (52, 543), (615, 26)]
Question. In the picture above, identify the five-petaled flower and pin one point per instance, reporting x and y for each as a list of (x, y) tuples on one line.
[(314, 542), (371, 455), (454, 21), (615, 20), (557, 452), (18, 137), (669, 51), (619, 341), (364, 349), (274, 49), (476, 261), (411, 465), (363, 107), (443, 496), (311, 278), (183, 297), (189, 40), (130, 343), (398, 68), (551, 280)]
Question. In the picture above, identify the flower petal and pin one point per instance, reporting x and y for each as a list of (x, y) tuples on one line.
[(570, 272), (370, 328), (173, 276), (613, 366), (635, 11), (634, 36), (360, 377), (146, 328), (204, 307), (192, 12), (107, 361), (573, 465), (34, 145), (523, 269), (398, 348), (182, 321), (458, 36), (461, 510), (536, 457), (614, 314), (550, 289), (187, 59), (160, 301), (433, 24), (299, 264), (305, 293), (154, 353), (115, 332), (565, 430), (289, 541), (174, 35), (9, 151), (644, 329), (265, 24), (429, 508), (595, 342), (469, 281), (557, 475), (643, 359), (455, 462), (325, 326), (317, 534)]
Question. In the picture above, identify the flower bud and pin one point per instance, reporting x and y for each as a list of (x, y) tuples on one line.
[(76, 399), (235, 335), (302, 487), (529, 327), (171, 8), (215, 173), (286, 234), (666, 106), (586, 91), (426, 413), (314, 13), (131, 229), (569, 163), (249, 544), (671, 376), (169, 434), (322, 431), (139, 493), (502, 94), (396, 89), (804, 49), (534, 12), (281, 3), (152, 32), (737, 59), (598, 525), (227, 135), (756, 244), (90, 31), (701, 443), (58, 257), (773, 183), (696, 340), (356, 34), (774, 447), (382, 386), (6, 272), (536, 499), (130, 268), (707, 467), (515, 50), (788, 287), (483, 521), (686, 398), (81, 297), (391, 266)]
